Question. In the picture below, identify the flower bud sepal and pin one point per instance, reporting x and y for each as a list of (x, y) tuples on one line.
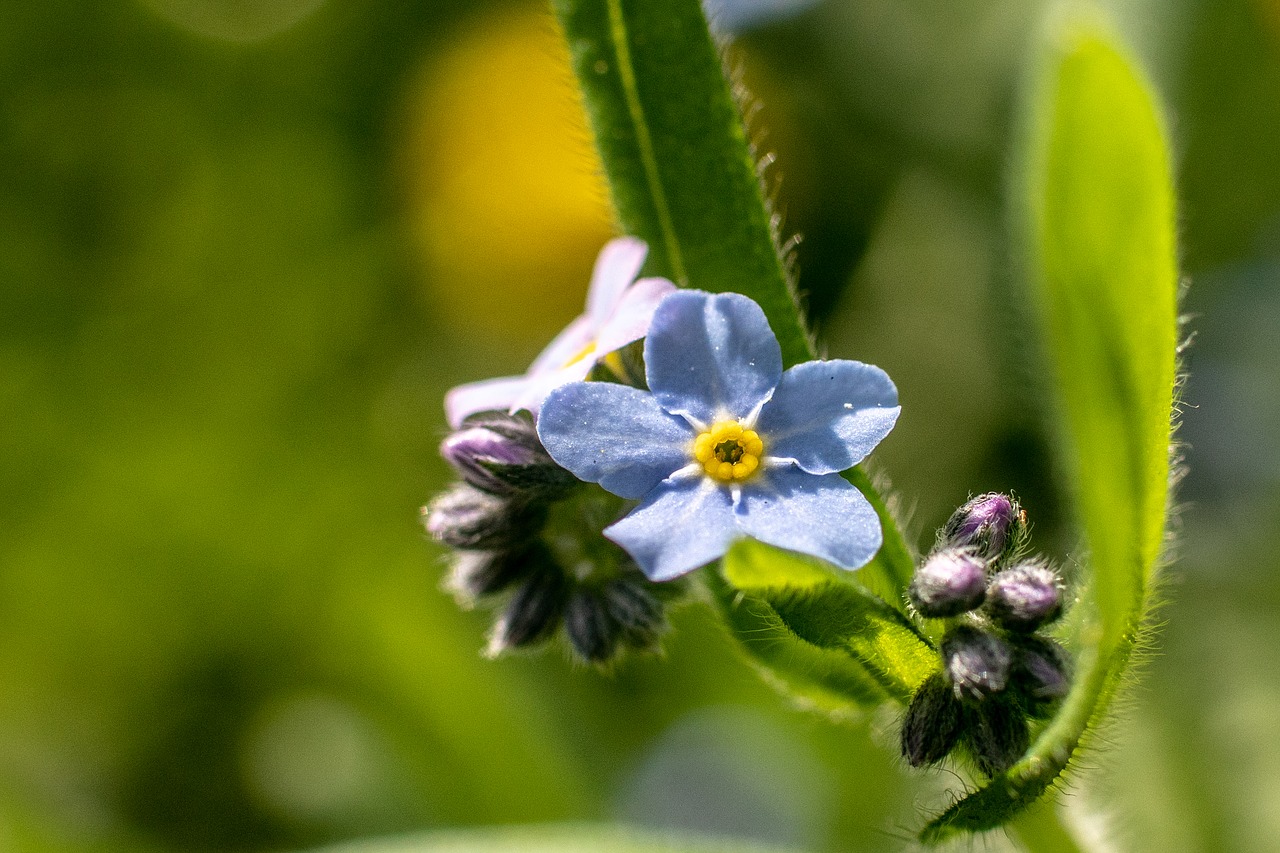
[(996, 734), (933, 724), (501, 454)]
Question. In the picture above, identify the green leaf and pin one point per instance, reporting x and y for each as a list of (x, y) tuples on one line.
[(1097, 194), (675, 153), (549, 838), (825, 637), (889, 573)]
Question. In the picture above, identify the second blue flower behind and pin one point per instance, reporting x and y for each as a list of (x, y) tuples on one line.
[(727, 444)]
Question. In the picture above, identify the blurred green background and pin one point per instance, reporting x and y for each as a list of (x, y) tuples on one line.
[(245, 246)]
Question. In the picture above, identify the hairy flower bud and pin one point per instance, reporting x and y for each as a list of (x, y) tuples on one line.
[(533, 613), (591, 629), (950, 582), (976, 662), (996, 734), (933, 723), (1041, 671), (465, 517), (637, 612), (501, 454), (478, 573), (1025, 597), (991, 525)]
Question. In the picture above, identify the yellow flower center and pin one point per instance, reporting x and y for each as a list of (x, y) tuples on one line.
[(728, 452)]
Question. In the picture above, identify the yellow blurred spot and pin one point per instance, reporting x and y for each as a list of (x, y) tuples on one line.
[(1269, 11), (507, 203)]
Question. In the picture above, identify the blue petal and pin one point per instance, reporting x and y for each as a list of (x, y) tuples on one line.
[(680, 525), (711, 357), (613, 435), (820, 515), (828, 415)]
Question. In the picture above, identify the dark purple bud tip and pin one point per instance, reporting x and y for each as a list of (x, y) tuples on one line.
[(501, 454), (992, 525), (533, 613), (996, 734), (950, 582), (1025, 597), (933, 723), (1041, 671), (465, 517), (976, 662), (593, 633)]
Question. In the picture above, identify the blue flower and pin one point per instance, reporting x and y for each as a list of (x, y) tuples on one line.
[(727, 444)]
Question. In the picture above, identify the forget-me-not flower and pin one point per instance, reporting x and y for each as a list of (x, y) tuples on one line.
[(726, 444), (618, 313)]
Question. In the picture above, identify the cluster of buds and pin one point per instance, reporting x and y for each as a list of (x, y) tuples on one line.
[(997, 672), (512, 521)]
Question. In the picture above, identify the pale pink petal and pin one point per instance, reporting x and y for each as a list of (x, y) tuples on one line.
[(489, 395), (566, 347), (617, 266), (630, 320), (543, 384)]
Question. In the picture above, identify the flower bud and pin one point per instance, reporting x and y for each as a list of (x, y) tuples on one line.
[(501, 454), (479, 573), (933, 723), (950, 582), (636, 611), (1025, 597), (991, 525), (976, 662), (996, 734), (1040, 671), (534, 611), (592, 632), (465, 517)]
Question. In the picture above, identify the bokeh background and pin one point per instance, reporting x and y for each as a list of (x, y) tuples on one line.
[(245, 246)]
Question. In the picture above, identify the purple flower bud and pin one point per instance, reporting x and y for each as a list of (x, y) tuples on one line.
[(992, 525), (1041, 671), (933, 723), (501, 454), (465, 517), (976, 662), (533, 613), (950, 582), (996, 734), (1025, 597), (592, 632)]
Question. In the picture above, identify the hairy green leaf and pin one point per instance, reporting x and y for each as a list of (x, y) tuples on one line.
[(1097, 194), (889, 574), (825, 636), (680, 170)]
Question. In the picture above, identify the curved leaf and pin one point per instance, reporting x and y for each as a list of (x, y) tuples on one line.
[(828, 639), (889, 574), (1097, 193)]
